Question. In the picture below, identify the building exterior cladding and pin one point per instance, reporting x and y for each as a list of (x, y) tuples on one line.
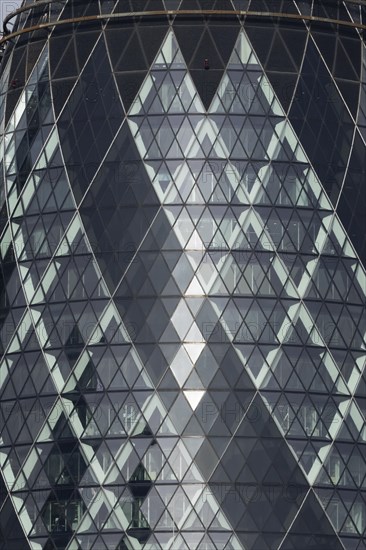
[(183, 277)]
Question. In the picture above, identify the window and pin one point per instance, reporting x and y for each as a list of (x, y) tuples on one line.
[(129, 416), (333, 512), (75, 284), (62, 516), (285, 416), (358, 514), (356, 467), (170, 96), (38, 244), (335, 469), (310, 418)]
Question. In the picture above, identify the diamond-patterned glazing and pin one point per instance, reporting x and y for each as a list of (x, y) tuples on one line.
[(182, 320)]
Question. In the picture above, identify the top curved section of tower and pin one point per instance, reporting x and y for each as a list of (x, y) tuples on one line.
[(46, 14), (293, 39)]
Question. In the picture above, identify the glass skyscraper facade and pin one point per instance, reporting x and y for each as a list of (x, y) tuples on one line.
[(182, 293)]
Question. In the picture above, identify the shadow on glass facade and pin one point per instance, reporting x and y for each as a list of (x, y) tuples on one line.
[(182, 299)]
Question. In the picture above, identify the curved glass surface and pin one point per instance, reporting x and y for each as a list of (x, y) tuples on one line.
[(182, 307)]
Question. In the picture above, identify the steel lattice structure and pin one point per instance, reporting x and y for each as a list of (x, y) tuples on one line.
[(182, 282)]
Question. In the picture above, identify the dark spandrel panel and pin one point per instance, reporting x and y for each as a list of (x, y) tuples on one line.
[(224, 38), (274, 45), (68, 53), (293, 39), (148, 275), (206, 49), (259, 461), (137, 5), (322, 122), (348, 59), (61, 90), (154, 362), (134, 47), (16, 80), (18, 63), (206, 52), (258, 512), (182, 33), (280, 50), (117, 42), (207, 83), (151, 37), (33, 52), (119, 208), (3, 214), (352, 203), (222, 4), (10, 528), (91, 8), (151, 5), (279, 57), (133, 314), (215, 43), (84, 43), (63, 58), (133, 51), (214, 5), (284, 85), (311, 529), (6, 305), (241, 4), (3, 492), (312, 542), (204, 4), (334, 10), (350, 92), (129, 84), (193, 4), (272, 5), (58, 44), (8, 264), (327, 44), (78, 8), (90, 121), (132, 57)]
